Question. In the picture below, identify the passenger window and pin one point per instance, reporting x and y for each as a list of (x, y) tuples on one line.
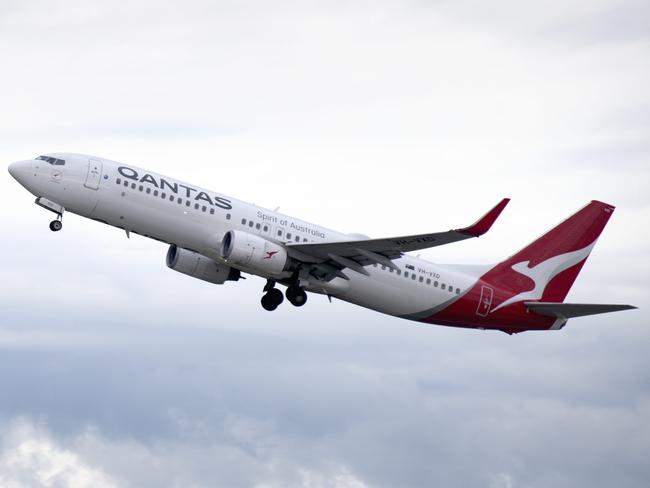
[(196, 206), (266, 228), (297, 239), (251, 224), (132, 186), (442, 287), (428, 281), (406, 274), (126, 183), (179, 201), (118, 181), (413, 276), (227, 216), (420, 279), (288, 235), (258, 226), (279, 232), (304, 239), (163, 195), (383, 268), (171, 198), (155, 192), (399, 272), (187, 203), (140, 188), (204, 208), (391, 270), (211, 211), (435, 283), (148, 191), (243, 221), (457, 291)]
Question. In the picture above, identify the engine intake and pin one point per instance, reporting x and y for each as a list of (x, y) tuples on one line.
[(254, 252), (198, 266)]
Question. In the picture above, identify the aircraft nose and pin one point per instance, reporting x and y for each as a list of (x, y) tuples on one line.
[(20, 168)]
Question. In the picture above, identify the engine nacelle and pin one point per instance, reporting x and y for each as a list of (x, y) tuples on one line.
[(198, 266), (253, 252)]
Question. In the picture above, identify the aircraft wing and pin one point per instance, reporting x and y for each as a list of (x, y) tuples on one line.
[(329, 258)]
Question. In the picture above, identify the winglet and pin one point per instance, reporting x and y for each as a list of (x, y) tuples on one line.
[(482, 225)]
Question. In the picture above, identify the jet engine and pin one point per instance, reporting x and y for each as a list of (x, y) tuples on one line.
[(254, 252), (198, 266)]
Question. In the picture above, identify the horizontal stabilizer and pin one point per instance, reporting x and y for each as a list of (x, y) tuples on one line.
[(568, 310)]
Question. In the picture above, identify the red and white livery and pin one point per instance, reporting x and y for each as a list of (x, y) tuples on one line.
[(215, 238)]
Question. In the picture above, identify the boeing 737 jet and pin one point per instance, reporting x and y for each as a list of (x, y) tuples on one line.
[(216, 238)]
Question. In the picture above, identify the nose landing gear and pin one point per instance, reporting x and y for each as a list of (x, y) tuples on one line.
[(56, 225)]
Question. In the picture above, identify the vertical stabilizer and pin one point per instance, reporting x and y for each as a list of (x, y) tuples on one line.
[(546, 268)]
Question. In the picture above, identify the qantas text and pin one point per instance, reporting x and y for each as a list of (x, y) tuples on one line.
[(173, 187)]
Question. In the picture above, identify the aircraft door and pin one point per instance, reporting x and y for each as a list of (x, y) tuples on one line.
[(485, 302), (94, 174)]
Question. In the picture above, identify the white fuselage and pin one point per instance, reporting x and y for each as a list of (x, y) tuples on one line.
[(194, 218)]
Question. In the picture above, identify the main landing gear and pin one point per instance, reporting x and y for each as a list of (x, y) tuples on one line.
[(273, 297), (296, 296)]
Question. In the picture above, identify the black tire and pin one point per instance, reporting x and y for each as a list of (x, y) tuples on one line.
[(291, 292), (56, 225), (268, 303), (275, 296), (297, 296)]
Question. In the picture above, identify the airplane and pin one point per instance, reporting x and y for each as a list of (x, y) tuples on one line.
[(216, 238)]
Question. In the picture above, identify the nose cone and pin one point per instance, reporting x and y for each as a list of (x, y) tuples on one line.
[(23, 172), (19, 169)]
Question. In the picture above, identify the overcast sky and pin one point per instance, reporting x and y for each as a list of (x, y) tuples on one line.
[(380, 117)]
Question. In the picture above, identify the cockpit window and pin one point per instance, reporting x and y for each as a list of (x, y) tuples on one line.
[(51, 160)]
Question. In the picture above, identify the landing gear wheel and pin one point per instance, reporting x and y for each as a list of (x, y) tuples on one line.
[(56, 225), (296, 296), (272, 299)]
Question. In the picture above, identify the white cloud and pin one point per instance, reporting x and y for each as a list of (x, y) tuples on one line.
[(30, 458)]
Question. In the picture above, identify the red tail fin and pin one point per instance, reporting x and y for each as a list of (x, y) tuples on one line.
[(546, 269)]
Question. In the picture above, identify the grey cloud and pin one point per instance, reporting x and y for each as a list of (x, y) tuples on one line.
[(626, 21), (407, 406), (573, 23)]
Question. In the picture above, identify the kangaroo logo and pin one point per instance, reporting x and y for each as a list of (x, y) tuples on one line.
[(270, 254), (544, 272)]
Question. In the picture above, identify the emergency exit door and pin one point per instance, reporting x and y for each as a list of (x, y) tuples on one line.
[(485, 302)]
